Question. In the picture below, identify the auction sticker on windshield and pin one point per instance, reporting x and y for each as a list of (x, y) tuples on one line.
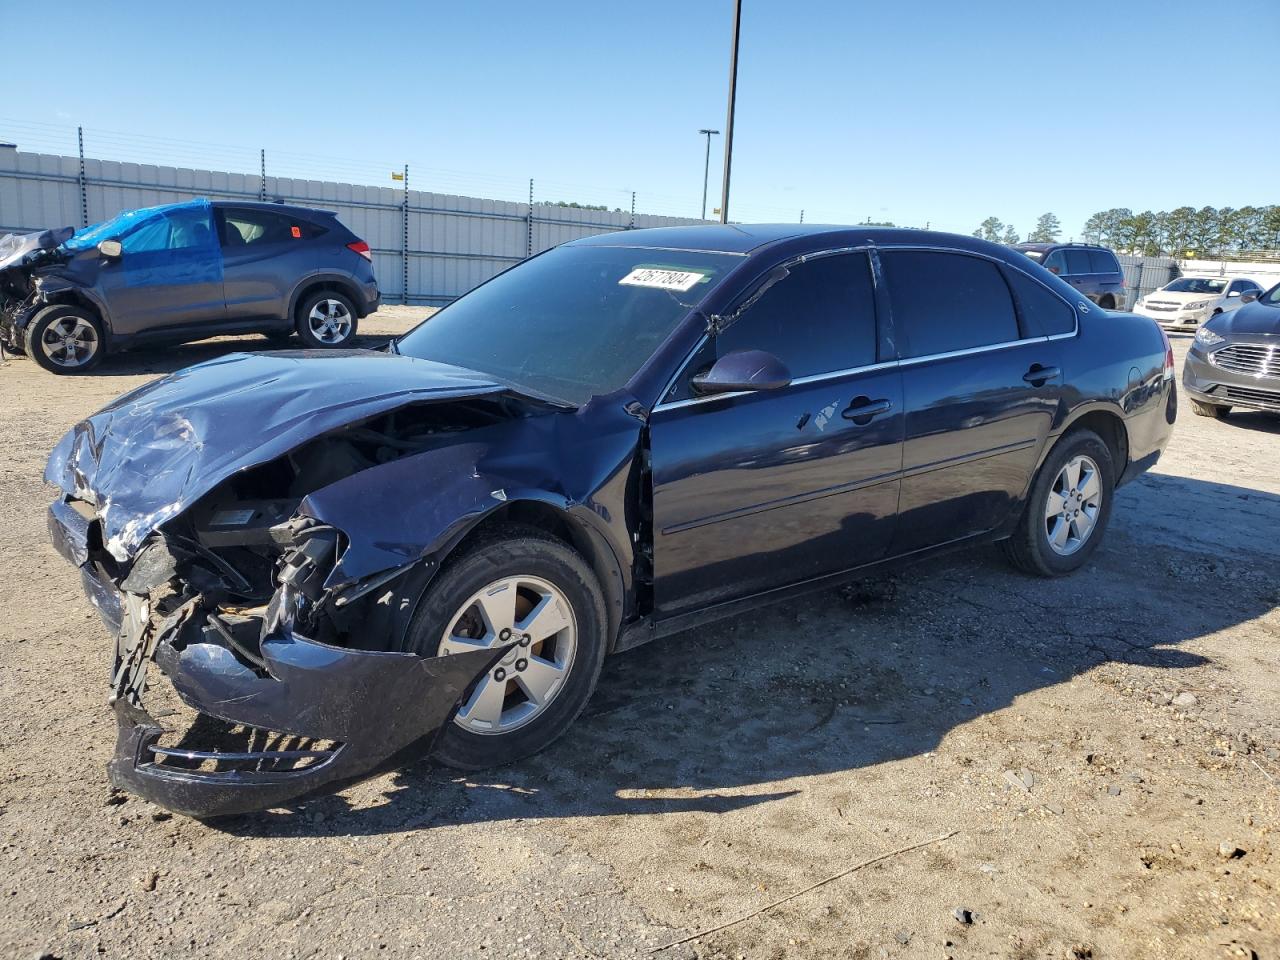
[(681, 280)]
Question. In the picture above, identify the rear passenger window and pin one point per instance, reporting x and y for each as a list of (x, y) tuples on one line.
[(1103, 262), (819, 318), (1077, 262), (947, 301), (1043, 311), (244, 228)]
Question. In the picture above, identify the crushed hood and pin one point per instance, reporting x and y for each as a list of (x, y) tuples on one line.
[(17, 249), (151, 453)]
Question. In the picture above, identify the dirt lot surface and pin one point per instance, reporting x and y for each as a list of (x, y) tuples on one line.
[(1099, 753)]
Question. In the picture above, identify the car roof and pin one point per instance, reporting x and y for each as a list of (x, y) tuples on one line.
[(1042, 247), (743, 238), (272, 206)]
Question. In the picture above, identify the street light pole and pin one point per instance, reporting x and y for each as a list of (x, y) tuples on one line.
[(706, 169), (728, 124)]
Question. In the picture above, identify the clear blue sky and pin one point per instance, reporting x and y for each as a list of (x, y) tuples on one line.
[(939, 111)]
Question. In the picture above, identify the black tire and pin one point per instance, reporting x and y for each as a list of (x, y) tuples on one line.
[(1029, 549), (513, 551), (1215, 410), (42, 338), (1107, 302), (339, 304)]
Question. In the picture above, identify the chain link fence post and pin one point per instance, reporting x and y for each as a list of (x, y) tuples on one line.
[(262, 179), (84, 184), (632, 224), (528, 234), (404, 241)]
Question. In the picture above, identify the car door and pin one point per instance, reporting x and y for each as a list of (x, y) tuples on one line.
[(169, 276), (259, 267), (757, 490), (980, 390), (1079, 272)]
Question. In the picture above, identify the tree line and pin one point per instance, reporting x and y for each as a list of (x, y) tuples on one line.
[(1184, 232)]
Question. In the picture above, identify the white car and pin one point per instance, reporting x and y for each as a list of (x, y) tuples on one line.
[(1189, 301)]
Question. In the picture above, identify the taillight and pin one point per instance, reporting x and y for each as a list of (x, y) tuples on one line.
[(361, 248), (1168, 354)]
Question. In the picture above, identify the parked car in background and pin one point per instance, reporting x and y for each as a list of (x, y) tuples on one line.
[(1234, 360), (1092, 271), (1189, 301), (436, 545), (182, 272)]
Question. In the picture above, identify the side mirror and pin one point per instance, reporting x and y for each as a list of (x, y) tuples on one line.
[(743, 370), (111, 249), (1248, 296)]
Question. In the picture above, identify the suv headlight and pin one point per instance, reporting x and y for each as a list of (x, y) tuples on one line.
[(1207, 338), (1198, 305)]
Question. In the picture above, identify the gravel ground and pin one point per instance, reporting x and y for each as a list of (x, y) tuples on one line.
[(1100, 754)]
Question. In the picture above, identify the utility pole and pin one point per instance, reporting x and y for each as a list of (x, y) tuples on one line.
[(706, 168), (728, 124)]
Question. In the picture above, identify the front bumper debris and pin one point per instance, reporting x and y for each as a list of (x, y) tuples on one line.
[(315, 716)]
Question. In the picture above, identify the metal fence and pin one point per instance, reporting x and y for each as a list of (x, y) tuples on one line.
[(1143, 275), (428, 247)]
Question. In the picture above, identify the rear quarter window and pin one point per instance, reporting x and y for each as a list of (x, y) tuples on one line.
[(1104, 261), (1044, 313)]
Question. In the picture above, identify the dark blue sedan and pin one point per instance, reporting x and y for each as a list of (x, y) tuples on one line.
[(359, 555)]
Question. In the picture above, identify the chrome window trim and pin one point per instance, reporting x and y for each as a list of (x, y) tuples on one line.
[(799, 381)]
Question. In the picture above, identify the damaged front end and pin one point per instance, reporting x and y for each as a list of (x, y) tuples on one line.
[(221, 571), (25, 261)]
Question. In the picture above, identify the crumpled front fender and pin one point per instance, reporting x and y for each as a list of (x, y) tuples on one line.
[(383, 709)]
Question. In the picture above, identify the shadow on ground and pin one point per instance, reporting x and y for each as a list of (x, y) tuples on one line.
[(163, 360), (720, 718)]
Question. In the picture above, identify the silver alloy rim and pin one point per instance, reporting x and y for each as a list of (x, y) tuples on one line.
[(538, 617), (330, 321), (1074, 503), (70, 341)]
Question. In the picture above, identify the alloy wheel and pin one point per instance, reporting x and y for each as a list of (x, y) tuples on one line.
[(537, 617), (330, 321), (1074, 503), (70, 342)]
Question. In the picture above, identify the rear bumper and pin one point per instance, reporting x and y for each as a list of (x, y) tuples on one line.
[(370, 297), (1211, 384), (330, 715)]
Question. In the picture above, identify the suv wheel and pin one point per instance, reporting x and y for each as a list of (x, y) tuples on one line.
[(1107, 303), (525, 587), (326, 319), (1068, 508), (1215, 410), (65, 339)]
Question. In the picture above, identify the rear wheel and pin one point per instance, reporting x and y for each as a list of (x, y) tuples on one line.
[(1107, 302), (525, 588), (1216, 410), (326, 319), (65, 339), (1068, 508)]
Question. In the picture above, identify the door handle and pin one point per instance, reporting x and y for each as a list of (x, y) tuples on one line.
[(1038, 376), (862, 410)]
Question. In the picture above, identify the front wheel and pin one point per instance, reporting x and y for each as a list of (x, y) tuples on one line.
[(326, 319), (1068, 508), (65, 339), (525, 588)]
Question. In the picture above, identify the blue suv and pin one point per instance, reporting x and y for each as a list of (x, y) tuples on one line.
[(1093, 271), (183, 272)]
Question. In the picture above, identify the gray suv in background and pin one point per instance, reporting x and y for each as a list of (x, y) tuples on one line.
[(1093, 271), (183, 272)]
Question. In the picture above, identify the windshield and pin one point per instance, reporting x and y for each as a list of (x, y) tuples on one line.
[(573, 323), (123, 223), (1196, 285)]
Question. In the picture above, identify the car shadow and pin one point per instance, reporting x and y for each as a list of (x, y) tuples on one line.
[(731, 715), (1258, 421), (169, 359)]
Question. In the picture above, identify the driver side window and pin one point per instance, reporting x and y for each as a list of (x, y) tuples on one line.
[(172, 230), (819, 318)]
